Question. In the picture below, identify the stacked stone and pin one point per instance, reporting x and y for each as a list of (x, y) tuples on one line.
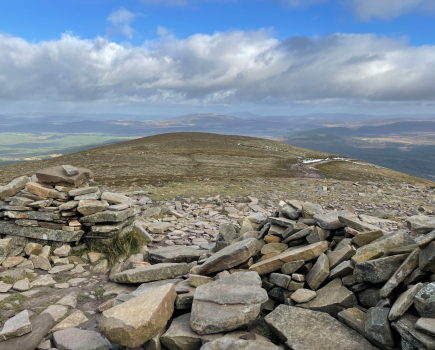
[(324, 280), (58, 204)]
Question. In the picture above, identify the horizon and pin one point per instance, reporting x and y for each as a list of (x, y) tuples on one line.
[(178, 57)]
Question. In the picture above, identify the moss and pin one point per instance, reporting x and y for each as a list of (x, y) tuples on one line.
[(82, 297), (12, 301), (99, 293)]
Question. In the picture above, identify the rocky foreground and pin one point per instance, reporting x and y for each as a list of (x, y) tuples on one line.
[(213, 273)]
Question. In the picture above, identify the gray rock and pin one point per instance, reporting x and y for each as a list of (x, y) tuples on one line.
[(303, 329), (403, 302), (12, 188), (77, 339), (240, 341), (424, 301), (82, 191), (231, 256), (152, 273), (378, 327), (5, 246), (426, 325), (9, 228), (338, 256), (145, 288), (332, 299), (41, 325), (16, 326), (318, 273), (378, 270), (227, 304), (91, 206), (180, 336), (174, 254), (70, 170), (291, 267), (427, 258), (280, 280), (420, 224), (290, 212), (111, 216), (369, 297), (405, 326), (401, 273), (330, 221), (344, 269)]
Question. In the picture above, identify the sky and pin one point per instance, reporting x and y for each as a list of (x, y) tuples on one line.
[(173, 57)]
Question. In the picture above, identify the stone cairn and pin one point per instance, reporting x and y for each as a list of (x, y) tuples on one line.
[(305, 278), (58, 205)]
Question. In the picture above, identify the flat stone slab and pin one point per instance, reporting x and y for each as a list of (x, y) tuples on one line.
[(227, 304), (10, 228), (77, 339), (13, 187), (58, 176), (174, 254), (111, 216), (303, 329), (378, 270), (16, 326), (152, 273)]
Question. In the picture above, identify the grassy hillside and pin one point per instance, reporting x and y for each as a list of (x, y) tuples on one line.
[(220, 159)]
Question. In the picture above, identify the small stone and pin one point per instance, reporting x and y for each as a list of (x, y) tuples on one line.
[(22, 285), (62, 251), (40, 262), (378, 327), (318, 273), (43, 281), (426, 325), (427, 258), (12, 261), (70, 170), (56, 311), (403, 302), (74, 320), (101, 267), (378, 270), (303, 295), (4, 287), (198, 280), (69, 300), (33, 249), (280, 280), (291, 267), (424, 301)]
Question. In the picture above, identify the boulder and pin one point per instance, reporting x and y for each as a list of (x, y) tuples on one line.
[(231, 256), (152, 273), (304, 329), (227, 304), (77, 339), (138, 320), (58, 176), (332, 299), (420, 224), (33, 249), (304, 253)]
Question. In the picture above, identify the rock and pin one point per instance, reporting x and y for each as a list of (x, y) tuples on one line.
[(41, 324), (16, 326), (13, 187), (140, 227), (82, 191), (174, 254), (70, 170), (353, 222), (311, 209), (43, 281), (378, 327), (22, 285), (160, 227), (405, 326), (336, 257), (41, 191), (111, 216), (296, 327), (61, 268), (136, 321), (69, 300), (91, 206), (369, 297), (420, 224), (426, 325), (62, 251), (231, 256), (15, 274), (73, 320), (402, 272), (424, 301), (77, 339), (101, 267), (227, 304), (236, 341), (68, 205), (305, 253), (115, 198), (303, 295), (152, 273), (381, 246), (40, 262), (379, 270), (56, 311), (330, 221), (332, 299), (403, 302), (180, 336), (427, 258), (12, 261), (33, 249), (58, 176), (300, 235), (291, 267), (344, 269), (318, 273), (273, 248), (198, 280), (365, 238), (280, 280), (5, 246), (4, 287)]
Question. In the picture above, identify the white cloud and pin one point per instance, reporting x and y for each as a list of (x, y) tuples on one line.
[(121, 21), (389, 9), (220, 69)]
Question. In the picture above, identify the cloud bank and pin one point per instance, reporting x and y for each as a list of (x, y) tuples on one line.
[(389, 9), (224, 68)]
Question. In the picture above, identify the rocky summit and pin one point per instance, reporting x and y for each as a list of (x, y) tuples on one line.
[(337, 266)]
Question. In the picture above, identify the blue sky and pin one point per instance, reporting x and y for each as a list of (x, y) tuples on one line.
[(178, 56)]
